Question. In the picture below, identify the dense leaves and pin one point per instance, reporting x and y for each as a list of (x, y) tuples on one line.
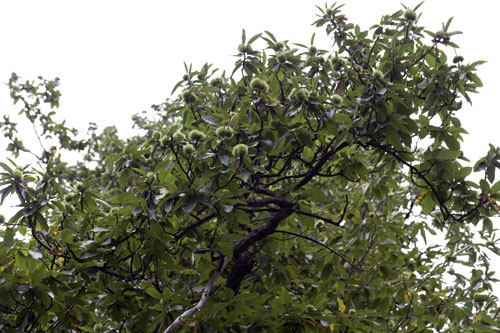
[(296, 195)]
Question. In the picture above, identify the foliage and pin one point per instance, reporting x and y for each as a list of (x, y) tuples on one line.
[(296, 198)]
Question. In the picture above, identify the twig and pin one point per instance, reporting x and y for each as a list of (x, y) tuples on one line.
[(317, 167), (316, 216), (322, 244), (184, 231)]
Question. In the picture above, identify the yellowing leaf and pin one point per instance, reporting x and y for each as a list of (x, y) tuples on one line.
[(477, 318), (4, 267), (341, 305), (189, 271), (420, 198)]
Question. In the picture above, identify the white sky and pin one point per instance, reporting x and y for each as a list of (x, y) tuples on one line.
[(116, 58)]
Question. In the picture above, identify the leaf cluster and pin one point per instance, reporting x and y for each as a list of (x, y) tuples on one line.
[(296, 194)]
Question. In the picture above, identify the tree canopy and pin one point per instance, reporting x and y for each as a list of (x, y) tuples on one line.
[(296, 194)]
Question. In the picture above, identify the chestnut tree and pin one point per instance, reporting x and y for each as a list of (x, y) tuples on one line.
[(303, 192)]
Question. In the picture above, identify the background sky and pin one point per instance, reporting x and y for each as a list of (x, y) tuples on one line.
[(116, 58)]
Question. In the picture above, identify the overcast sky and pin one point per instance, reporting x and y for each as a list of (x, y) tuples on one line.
[(116, 58)]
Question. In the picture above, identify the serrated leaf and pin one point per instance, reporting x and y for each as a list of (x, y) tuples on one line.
[(67, 236), (392, 135), (227, 249)]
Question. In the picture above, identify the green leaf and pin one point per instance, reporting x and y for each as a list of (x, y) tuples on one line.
[(452, 142), (343, 117), (445, 154), (253, 39), (485, 187), (227, 249), (243, 36), (153, 292), (189, 203), (392, 135), (8, 238), (427, 204), (495, 188), (342, 306)]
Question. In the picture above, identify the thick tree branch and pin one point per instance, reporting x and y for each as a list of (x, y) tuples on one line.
[(242, 264), (259, 233), (204, 297), (242, 259)]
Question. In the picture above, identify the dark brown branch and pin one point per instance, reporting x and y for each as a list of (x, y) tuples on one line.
[(200, 251), (242, 261), (184, 231), (316, 216), (261, 232), (265, 191), (317, 167), (241, 267), (268, 201), (442, 207), (322, 244)]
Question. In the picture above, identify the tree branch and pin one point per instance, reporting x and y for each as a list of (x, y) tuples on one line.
[(322, 244), (316, 216), (442, 207), (184, 231), (317, 167), (268, 201), (259, 233), (204, 297), (325, 219)]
